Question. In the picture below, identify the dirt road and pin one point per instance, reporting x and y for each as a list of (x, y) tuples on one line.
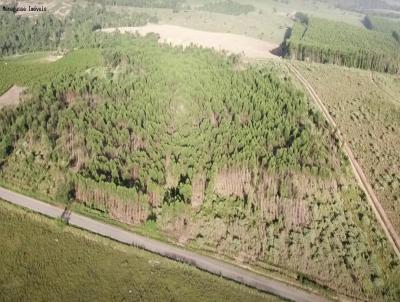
[(376, 206), (11, 96), (202, 262)]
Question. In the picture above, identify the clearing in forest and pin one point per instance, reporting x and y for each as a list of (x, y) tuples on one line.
[(12, 96), (177, 35)]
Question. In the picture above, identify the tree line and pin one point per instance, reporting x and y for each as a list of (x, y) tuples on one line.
[(326, 41), (20, 34), (385, 25), (228, 7)]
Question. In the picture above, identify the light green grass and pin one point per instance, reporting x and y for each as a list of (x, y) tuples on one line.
[(44, 260), (29, 69), (268, 22)]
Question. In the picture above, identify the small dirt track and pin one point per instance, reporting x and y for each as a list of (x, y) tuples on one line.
[(11, 96), (377, 208), (204, 263)]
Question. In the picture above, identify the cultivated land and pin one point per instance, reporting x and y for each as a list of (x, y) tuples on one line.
[(181, 36), (269, 21), (31, 69), (366, 108), (63, 263)]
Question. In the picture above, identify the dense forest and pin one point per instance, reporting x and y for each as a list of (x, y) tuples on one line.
[(47, 32), (228, 7), (225, 159), (25, 34), (326, 41)]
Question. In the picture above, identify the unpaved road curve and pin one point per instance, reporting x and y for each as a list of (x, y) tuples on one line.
[(376, 206), (202, 262)]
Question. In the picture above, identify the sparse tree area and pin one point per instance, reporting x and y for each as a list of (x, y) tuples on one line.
[(228, 7), (172, 4)]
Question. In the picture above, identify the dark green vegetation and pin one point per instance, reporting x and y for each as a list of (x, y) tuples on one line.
[(223, 159), (384, 25), (228, 7), (64, 264), (326, 41), (21, 34)]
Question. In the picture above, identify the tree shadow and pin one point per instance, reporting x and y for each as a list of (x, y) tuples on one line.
[(278, 51), (66, 215), (281, 50)]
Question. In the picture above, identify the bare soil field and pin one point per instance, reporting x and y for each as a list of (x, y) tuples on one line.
[(12, 96), (52, 58), (366, 108), (181, 36)]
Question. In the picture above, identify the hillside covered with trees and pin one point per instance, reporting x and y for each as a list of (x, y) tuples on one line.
[(19, 34), (226, 160), (324, 41), (195, 147)]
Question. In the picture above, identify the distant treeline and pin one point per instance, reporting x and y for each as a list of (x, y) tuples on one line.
[(339, 43), (364, 5), (384, 25), (228, 7), (173, 4), (20, 34), (189, 143)]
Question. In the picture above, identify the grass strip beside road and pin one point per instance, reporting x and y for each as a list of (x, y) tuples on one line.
[(205, 263)]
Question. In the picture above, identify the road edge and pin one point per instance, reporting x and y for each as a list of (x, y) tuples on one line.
[(205, 263)]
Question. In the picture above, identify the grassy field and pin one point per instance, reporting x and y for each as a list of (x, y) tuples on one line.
[(366, 107), (269, 21), (31, 69), (63, 263)]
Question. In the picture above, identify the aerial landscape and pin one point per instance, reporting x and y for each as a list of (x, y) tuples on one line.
[(200, 150)]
